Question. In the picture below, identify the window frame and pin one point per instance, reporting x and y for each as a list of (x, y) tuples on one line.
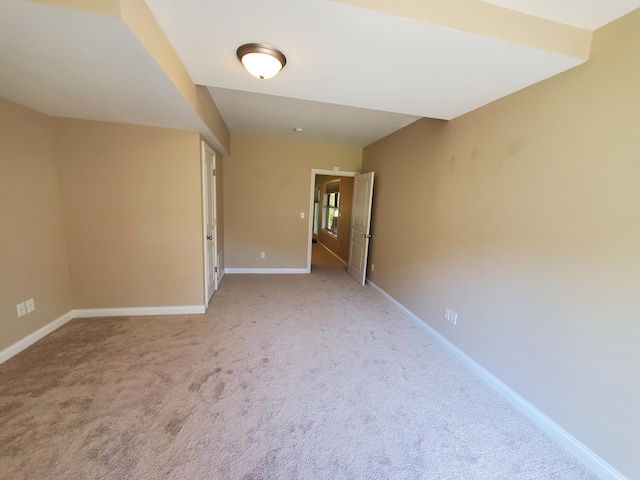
[(331, 191)]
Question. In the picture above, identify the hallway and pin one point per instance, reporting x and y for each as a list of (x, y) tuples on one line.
[(323, 259)]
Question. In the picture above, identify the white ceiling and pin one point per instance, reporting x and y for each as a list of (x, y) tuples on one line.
[(67, 63), (340, 55), (272, 116), (352, 76)]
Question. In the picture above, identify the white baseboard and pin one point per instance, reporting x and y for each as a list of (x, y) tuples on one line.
[(592, 461), (32, 338), (275, 271), (137, 311)]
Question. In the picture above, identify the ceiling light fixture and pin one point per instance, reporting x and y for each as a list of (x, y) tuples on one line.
[(261, 60)]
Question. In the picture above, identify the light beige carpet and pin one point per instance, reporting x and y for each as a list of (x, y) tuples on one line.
[(285, 377)]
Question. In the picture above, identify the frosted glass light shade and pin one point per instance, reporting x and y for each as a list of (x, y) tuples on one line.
[(261, 61), (261, 65)]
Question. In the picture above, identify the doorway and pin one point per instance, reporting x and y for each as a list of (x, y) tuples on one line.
[(313, 204)]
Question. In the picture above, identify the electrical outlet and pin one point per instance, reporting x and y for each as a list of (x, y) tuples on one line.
[(453, 317), (31, 305), (447, 313), (262, 255), (301, 214), (22, 309)]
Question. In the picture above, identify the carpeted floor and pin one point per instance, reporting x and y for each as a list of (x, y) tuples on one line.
[(285, 377)]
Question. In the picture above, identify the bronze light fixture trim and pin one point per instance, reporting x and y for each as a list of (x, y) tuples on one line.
[(260, 60)]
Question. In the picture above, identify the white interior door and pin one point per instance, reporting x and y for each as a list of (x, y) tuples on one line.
[(210, 230), (360, 226)]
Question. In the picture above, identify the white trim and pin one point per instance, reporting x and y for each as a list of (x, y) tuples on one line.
[(216, 259), (203, 174), (331, 252), (205, 208), (219, 262), (312, 191), (333, 173), (592, 461), (275, 271), (138, 311), (32, 338)]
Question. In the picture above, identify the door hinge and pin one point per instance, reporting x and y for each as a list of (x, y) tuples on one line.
[(215, 269), (214, 172)]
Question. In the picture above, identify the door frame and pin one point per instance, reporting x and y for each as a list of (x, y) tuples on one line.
[(312, 190), (205, 206)]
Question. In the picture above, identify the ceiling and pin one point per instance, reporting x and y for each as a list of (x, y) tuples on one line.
[(357, 70), (69, 63)]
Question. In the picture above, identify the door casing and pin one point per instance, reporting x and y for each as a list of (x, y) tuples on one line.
[(209, 221)]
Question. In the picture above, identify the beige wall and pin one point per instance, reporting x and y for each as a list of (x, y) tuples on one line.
[(524, 218), (338, 244), (131, 198), (33, 261), (267, 184)]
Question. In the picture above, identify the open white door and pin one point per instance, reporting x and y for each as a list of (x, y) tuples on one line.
[(360, 226), (209, 214)]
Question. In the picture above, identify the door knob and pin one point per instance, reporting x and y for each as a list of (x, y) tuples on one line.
[(209, 237), (364, 235)]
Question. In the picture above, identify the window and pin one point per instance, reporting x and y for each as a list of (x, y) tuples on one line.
[(316, 210), (331, 206)]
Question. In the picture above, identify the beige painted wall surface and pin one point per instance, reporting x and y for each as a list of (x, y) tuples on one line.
[(132, 206), (33, 261), (524, 218), (267, 184), (339, 244)]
